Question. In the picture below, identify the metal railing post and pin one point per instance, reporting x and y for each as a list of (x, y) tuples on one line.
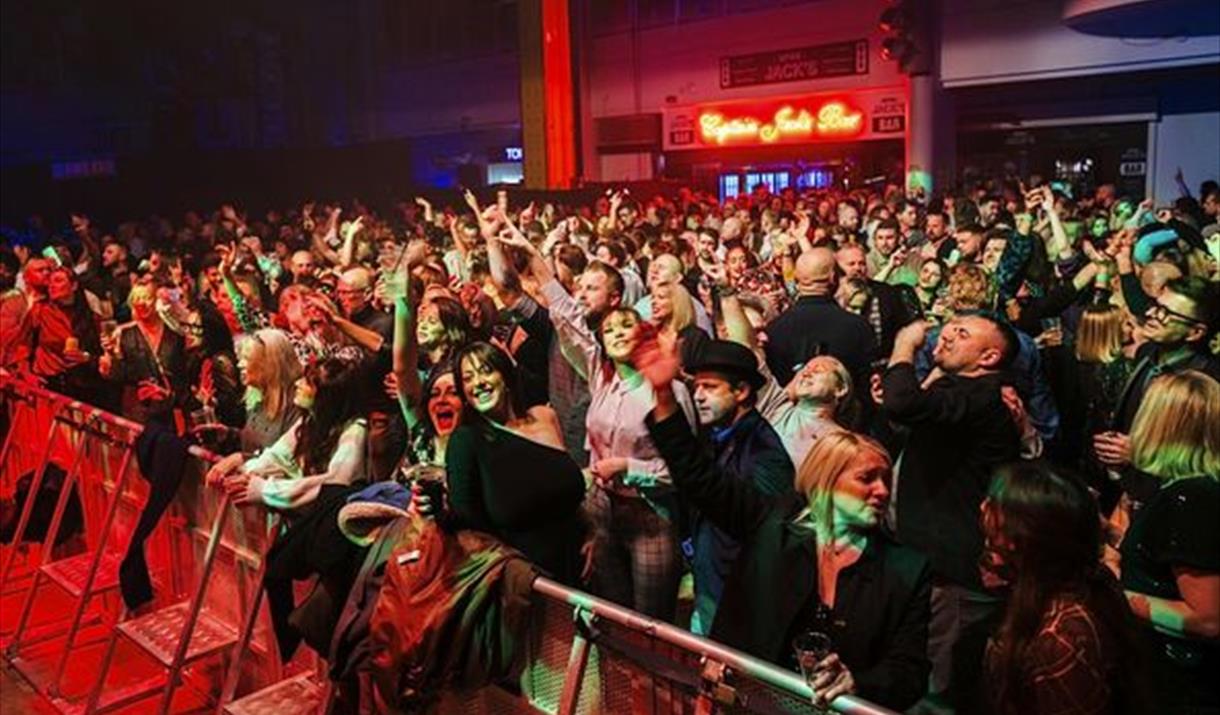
[(188, 627), (120, 481), (578, 659), (233, 676), (28, 507), (48, 543)]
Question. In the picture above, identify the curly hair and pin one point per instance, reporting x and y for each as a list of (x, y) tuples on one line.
[(969, 288)]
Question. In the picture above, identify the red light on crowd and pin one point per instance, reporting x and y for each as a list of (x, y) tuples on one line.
[(788, 123)]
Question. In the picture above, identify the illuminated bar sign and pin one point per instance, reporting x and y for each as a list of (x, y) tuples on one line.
[(837, 59), (866, 114)]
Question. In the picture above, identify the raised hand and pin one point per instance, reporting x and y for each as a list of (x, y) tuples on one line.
[(912, 336), (351, 228), (228, 258), (322, 307), (471, 201), (715, 272), (657, 359)]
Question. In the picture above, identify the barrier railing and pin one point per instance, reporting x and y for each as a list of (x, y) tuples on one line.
[(204, 559), (586, 655)]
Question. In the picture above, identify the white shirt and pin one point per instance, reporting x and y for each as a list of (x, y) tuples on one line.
[(798, 424), (277, 477), (615, 420)]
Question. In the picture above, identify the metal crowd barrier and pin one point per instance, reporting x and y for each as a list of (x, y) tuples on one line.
[(585, 655)]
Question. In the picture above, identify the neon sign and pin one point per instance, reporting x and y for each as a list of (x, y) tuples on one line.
[(788, 123)]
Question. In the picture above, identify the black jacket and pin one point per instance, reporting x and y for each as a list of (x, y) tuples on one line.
[(897, 306), (752, 452), (960, 431), (816, 325), (882, 606)]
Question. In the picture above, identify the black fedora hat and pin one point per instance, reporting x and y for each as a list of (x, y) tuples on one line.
[(729, 358)]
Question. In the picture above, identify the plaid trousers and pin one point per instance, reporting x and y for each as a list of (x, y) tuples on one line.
[(637, 560)]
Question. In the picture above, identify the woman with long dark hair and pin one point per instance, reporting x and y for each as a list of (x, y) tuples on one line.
[(432, 408), (326, 447), (508, 472), (442, 328), (1067, 641), (308, 474)]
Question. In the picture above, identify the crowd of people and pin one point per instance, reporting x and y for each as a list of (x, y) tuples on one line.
[(971, 442)]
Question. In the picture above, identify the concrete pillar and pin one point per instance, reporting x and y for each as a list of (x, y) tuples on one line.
[(931, 150), (588, 167), (921, 133), (547, 94)]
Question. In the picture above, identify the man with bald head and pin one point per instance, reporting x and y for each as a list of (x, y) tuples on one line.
[(355, 294), (373, 330), (959, 429), (302, 267), (667, 268), (889, 307), (816, 325)]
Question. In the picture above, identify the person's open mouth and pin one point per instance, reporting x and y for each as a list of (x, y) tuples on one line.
[(445, 418)]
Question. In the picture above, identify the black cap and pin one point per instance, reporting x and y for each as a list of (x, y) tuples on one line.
[(729, 358)]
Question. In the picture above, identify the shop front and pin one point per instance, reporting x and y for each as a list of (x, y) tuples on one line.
[(840, 139)]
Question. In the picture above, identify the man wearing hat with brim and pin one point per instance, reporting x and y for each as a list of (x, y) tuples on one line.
[(727, 381)]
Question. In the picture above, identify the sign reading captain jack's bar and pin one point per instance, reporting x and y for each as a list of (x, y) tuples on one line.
[(873, 113), (837, 59)]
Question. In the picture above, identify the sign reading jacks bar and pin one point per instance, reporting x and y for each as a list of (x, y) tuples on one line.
[(836, 59), (841, 116)]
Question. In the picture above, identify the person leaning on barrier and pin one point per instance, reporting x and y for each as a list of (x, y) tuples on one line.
[(807, 556)]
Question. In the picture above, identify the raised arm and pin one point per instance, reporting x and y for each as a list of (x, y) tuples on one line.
[(503, 273), (578, 343), (406, 344), (368, 339), (905, 401), (426, 205), (347, 252), (1059, 246), (732, 503), (248, 318), (321, 246)]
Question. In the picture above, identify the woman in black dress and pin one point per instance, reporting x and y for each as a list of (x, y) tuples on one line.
[(508, 472), (1171, 551)]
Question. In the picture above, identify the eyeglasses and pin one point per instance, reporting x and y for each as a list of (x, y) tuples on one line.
[(1162, 313)]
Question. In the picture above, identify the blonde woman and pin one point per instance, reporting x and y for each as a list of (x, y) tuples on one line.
[(814, 562), (673, 314), (1171, 552), (1102, 369), (269, 368), (147, 359)]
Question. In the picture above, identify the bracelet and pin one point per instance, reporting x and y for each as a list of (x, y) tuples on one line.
[(726, 291)]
